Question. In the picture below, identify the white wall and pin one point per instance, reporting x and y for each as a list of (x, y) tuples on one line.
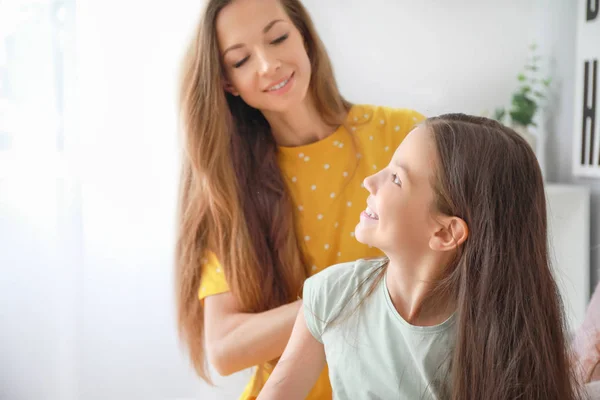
[(561, 34), (434, 56)]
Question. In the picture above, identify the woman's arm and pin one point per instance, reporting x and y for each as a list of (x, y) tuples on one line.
[(236, 340), (299, 367)]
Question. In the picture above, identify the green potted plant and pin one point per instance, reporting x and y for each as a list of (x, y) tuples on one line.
[(526, 100)]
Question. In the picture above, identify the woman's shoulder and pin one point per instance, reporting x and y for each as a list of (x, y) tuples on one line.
[(361, 114), (380, 129)]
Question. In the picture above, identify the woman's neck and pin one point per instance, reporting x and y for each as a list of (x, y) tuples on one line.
[(300, 126), (410, 284)]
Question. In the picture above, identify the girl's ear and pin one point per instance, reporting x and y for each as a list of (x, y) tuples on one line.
[(451, 233)]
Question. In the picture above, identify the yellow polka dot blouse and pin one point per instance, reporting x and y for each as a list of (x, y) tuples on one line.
[(326, 183)]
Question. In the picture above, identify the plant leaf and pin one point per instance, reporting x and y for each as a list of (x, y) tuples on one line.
[(499, 114)]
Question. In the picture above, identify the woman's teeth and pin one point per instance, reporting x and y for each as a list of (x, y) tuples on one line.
[(279, 85)]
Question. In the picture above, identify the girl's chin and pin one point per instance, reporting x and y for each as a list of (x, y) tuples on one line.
[(361, 236)]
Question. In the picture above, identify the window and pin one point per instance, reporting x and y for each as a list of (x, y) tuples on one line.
[(36, 48)]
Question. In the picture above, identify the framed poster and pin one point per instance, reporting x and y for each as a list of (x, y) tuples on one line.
[(586, 133)]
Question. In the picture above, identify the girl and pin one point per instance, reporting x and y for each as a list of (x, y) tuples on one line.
[(273, 162), (464, 306)]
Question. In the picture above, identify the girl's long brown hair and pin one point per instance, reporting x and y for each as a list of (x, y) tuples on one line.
[(511, 331), (233, 198)]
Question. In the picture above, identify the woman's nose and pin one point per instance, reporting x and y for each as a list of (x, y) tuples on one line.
[(268, 63)]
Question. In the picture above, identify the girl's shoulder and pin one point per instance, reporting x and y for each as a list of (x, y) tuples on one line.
[(339, 283), (334, 289), (348, 273)]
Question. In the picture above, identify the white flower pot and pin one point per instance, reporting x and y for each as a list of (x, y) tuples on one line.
[(534, 136), (527, 135)]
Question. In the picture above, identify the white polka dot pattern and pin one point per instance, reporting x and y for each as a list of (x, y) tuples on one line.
[(325, 181)]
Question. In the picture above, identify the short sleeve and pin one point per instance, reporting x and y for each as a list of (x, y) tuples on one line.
[(326, 294), (313, 302), (212, 279)]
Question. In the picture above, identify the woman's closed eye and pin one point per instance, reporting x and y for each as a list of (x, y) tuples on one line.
[(241, 62), (396, 179), (280, 39), (277, 41)]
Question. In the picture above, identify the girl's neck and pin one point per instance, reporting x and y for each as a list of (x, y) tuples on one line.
[(301, 126), (410, 284)]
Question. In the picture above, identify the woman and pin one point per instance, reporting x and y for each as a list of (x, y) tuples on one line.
[(273, 162)]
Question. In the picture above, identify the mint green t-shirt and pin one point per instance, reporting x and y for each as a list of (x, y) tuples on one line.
[(372, 352)]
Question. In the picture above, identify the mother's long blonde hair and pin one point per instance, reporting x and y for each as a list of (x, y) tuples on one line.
[(233, 199)]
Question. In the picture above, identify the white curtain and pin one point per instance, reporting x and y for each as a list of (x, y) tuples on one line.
[(39, 201), (88, 181)]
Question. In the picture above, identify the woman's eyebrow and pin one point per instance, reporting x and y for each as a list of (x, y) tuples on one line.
[(265, 30)]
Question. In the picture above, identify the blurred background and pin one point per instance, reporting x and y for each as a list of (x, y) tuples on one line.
[(89, 162)]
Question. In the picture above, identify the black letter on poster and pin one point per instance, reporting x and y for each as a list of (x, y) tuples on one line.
[(592, 14), (589, 110)]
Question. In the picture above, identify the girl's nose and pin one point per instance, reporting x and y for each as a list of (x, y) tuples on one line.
[(370, 183)]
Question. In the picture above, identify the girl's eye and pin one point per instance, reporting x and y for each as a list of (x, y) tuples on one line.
[(241, 62), (396, 180), (280, 39)]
